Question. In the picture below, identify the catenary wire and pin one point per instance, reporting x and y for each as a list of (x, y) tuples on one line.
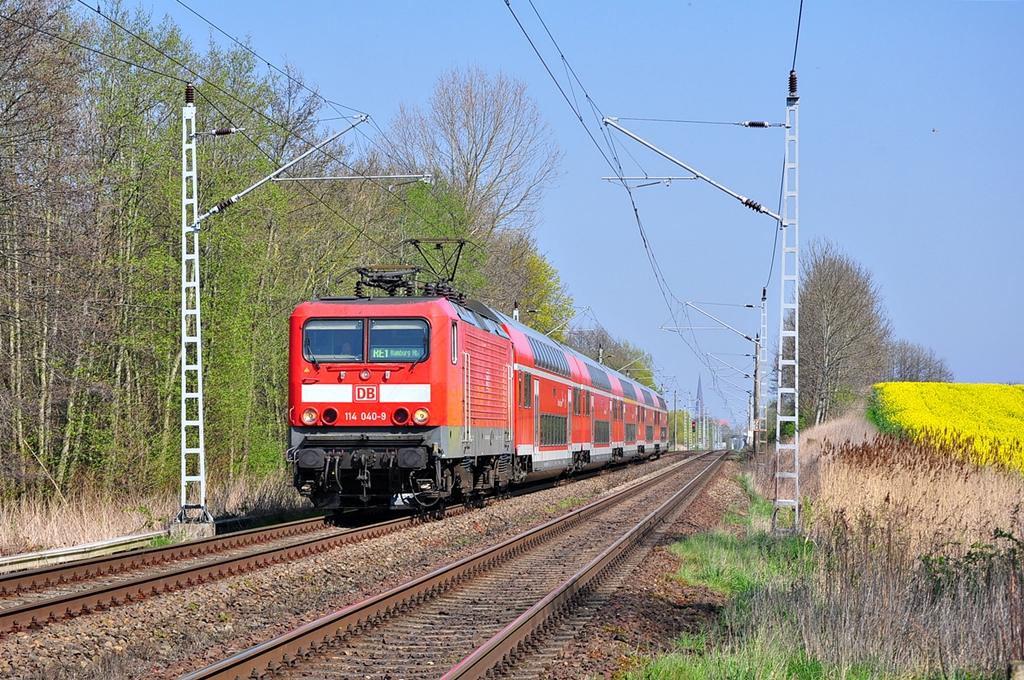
[(662, 283), (267, 119), (68, 41)]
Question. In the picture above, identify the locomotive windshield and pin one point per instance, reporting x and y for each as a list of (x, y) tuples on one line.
[(333, 340), (398, 339), (345, 340)]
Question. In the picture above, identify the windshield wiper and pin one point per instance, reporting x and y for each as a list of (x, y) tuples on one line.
[(422, 357), (309, 351)]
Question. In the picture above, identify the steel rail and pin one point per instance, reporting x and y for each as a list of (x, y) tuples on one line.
[(501, 651), (65, 568), (305, 641)]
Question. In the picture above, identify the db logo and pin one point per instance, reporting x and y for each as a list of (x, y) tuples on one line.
[(366, 393)]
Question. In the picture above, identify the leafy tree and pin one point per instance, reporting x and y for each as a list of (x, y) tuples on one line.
[(44, 312)]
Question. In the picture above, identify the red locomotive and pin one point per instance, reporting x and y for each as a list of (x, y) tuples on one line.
[(412, 400)]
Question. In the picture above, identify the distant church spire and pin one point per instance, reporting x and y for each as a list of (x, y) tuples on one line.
[(700, 398)]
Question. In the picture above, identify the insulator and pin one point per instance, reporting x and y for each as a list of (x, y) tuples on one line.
[(224, 131), (410, 289), (359, 289), (792, 83), (190, 93), (753, 205), (224, 205), (757, 124)]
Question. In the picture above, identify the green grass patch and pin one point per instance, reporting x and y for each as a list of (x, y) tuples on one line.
[(161, 541), (746, 663), (733, 564)]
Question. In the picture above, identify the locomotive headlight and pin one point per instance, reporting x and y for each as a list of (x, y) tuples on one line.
[(421, 416), (365, 375), (309, 416)]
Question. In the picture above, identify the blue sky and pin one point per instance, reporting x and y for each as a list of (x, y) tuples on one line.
[(911, 147)]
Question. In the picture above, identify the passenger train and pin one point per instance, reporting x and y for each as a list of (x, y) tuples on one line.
[(417, 399)]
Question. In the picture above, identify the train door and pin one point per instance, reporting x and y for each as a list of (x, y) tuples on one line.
[(590, 409), (536, 414), (568, 420)]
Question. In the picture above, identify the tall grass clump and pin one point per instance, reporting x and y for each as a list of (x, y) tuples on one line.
[(920, 555)]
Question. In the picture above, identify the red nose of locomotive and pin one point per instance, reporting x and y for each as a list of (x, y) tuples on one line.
[(356, 371), (367, 398)]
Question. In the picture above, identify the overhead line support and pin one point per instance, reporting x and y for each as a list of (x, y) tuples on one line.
[(753, 205), (787, 453), (193, 446), (193, 509)]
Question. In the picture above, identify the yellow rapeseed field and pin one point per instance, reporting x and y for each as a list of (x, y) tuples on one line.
[(986, 422)]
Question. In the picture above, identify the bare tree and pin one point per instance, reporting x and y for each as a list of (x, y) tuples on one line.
[(910, 362), (40, 237), (485, 137), (844, 331)]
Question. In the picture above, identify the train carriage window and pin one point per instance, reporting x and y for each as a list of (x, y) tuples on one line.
[(333, 340), (398, 340), (527, 390), (575, 401), (455, 343)]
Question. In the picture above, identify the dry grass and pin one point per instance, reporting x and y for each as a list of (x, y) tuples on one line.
[(919, 559), (942, 498), (851, 428), (29, 524)]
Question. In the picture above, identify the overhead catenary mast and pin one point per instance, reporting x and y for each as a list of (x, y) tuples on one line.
[(787, 411), (193, 511), (193, 446), (787, 454)]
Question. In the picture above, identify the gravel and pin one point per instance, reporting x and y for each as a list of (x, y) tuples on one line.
[(170, 635)]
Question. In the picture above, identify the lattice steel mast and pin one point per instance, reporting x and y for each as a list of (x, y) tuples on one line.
[(787, 455), (761, 349), (193, 448)]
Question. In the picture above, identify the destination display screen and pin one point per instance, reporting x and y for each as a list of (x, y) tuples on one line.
[(398, 340)]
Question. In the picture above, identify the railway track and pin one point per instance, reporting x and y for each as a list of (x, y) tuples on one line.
[(37, 597), (483, 613)]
